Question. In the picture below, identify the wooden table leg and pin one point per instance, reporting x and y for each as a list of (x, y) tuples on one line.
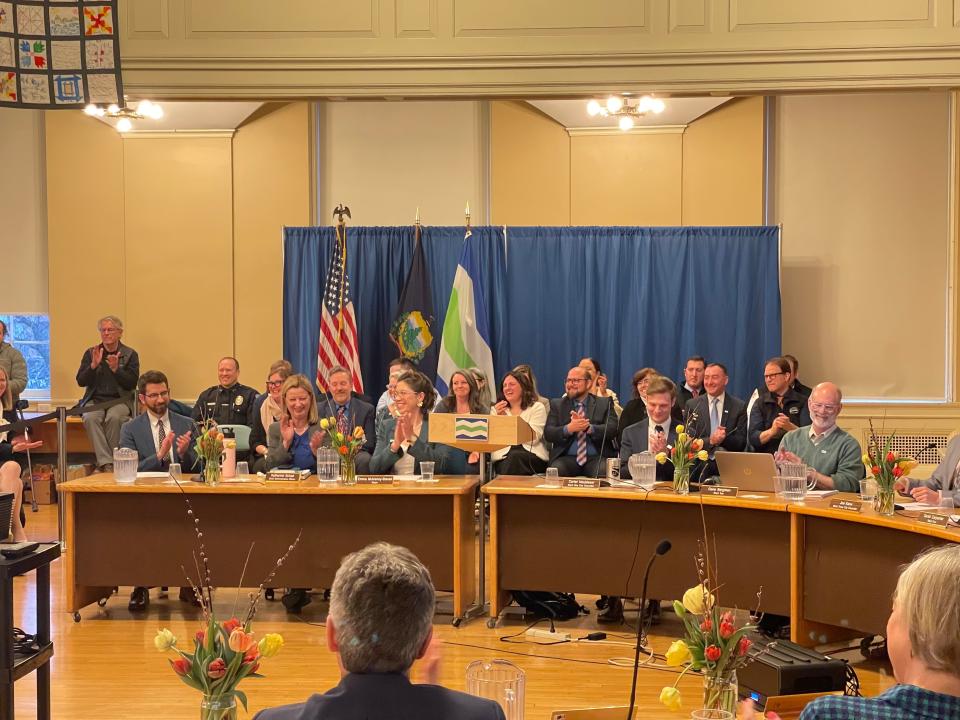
[(43, 637)]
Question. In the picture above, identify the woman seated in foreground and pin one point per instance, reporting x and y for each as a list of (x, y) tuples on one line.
[(295, 439), (923, 641), (402, 441), (520, 399), (10, 469)]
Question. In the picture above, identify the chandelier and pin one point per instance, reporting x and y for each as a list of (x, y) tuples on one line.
[(624, 110), (126, 115)]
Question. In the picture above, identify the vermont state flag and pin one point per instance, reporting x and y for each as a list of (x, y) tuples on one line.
[(413, 328)]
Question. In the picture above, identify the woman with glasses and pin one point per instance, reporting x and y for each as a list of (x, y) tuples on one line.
[(402, 440), (778, 410), (267, 410)]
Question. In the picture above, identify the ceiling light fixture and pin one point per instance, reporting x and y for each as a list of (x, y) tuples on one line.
[(625, 111), (126, 115)]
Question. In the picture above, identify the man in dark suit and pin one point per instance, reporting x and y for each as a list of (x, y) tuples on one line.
[(717, 417), (655, 433), (380, 621), (350, 411), (692, 380), (159, 437), (581, 426)]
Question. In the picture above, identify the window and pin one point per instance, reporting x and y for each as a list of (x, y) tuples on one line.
[(30, 334)]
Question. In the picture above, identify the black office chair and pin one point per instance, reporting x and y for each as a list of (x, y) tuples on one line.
[(20, 406)]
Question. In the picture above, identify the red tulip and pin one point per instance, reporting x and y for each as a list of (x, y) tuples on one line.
[(891, 457), (897, 471), (743, 645), (875, 470), (230, 625), (343, 450), (181, 666), (201, 637), (253, 653), (726, 630), (690, 456), (217, 669), (712, 653), (706, 625), (727, 617)]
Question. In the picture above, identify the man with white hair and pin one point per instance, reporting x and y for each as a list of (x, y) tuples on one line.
[(380, 621), (833, 454)]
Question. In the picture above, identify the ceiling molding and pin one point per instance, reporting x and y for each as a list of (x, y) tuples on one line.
[(180, 134), (636, 130)]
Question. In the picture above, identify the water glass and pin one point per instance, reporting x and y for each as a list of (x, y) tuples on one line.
[(243, 468), (426, 472), (794, 488), (328, 465), (498, 680), (868, 489), (176, 472), (946, 503), (125, 465), (553, 477)]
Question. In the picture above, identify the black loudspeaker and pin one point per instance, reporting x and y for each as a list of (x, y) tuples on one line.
[(781, 667)]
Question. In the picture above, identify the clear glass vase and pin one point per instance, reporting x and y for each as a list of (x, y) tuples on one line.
[(348, 471), (720, 693), (681, 479), (211, 473), (218, 708), (883, 501)]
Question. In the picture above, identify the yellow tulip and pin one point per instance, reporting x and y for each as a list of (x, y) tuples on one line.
[(698, 599), (907, 465), (681, 437), (164, 640), (866, 460), (324, 423), (678, 654), (670, 697), (661, 458), (358, 432), (679, 428), (270, 644), (703, 455)]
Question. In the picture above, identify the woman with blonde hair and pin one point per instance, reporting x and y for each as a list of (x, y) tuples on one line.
[(293, 440), (267, 410), (9, 468)]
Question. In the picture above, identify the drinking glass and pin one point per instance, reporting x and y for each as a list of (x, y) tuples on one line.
[(498, 680), (426, 472), (868, 489), (553, 477), (243, 468), (794, 488), (125, 465), (176, 472)]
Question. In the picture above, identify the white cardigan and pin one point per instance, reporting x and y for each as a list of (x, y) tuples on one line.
[(536, 417)]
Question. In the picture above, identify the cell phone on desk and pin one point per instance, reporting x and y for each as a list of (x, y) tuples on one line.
[(15, 550)]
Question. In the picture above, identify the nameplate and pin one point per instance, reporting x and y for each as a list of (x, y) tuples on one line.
[(719, 490), (848, 505), (929, 518), (374, 479), (581, 482), (288, 475)]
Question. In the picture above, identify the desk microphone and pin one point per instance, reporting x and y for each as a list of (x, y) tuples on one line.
[(603, 440), (663, 547)]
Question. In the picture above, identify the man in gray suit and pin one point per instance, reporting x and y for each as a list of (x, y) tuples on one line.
[(349, 412), (380, 621), (943, 483)]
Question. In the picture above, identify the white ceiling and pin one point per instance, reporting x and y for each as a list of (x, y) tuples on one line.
[(186, 116), (679, 111)]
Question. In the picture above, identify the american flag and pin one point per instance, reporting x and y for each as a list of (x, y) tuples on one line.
[(338, 322)]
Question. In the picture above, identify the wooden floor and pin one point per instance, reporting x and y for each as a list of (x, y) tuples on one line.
[(106, 665)]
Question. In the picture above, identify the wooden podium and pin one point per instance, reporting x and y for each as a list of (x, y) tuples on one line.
[(482, 434)]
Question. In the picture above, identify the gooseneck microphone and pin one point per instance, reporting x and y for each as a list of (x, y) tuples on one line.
[(663, 547), (601, 460)]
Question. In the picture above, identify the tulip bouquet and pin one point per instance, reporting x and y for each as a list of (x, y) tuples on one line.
[(681, 456), (713, 645), (209, 448), (224, 653), (347, 445), (887, 467)]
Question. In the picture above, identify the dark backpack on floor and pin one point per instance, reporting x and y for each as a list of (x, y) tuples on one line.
[(554, 605)]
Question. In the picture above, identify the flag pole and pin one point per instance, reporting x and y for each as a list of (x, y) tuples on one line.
[(467, 214), (338, 213)]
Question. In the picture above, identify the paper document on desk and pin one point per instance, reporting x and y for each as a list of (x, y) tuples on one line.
[(406, 478), (153, 474), (920, 507), (820, 494)]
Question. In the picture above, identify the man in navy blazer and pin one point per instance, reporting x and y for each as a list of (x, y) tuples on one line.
[(380, 621), (158, 435), (575, 413), (717, 417), (350, 412), (657, 433)]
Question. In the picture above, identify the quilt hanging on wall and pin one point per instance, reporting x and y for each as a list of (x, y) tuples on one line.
[(59, 55)]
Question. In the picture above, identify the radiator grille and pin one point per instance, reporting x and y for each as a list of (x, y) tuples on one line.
[(912, 445)]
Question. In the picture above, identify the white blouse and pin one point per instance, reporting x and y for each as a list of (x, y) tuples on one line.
[(536, 417)]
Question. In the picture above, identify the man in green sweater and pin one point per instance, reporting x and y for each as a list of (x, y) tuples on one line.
[(832, 453)]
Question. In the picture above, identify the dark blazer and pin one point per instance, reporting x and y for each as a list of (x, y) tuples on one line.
[(765, 411), (734, 419), (384, 459), (361, 413), (138, 435), (386, 696), (603, 421), (636, 410), (126, 376), (804, 390), (684, 395), (258, 433), (634, 440)]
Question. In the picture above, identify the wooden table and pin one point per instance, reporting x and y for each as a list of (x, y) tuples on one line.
[(585, 540), (139, 534), (832, 571)]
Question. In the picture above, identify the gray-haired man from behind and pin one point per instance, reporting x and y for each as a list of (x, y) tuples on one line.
[(380, 621)]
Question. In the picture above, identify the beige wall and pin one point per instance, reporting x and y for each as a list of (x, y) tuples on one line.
[(384, 160), (625, 178), (861, 189), (271, 187), (723, 165), (23, 222), (151, 237)]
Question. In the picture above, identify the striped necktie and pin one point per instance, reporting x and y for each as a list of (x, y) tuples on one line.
[(161, 434), (581, 440)]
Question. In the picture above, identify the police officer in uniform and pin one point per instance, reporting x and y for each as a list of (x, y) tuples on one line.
[(228, 403)]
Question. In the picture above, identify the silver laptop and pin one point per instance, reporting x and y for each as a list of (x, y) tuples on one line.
[(747, 471)]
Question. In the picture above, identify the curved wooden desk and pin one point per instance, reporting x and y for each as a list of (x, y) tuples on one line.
[(140, 535), (832, 571)]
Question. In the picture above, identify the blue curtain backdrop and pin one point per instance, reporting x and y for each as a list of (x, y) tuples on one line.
[(628, 296), (378, 259)]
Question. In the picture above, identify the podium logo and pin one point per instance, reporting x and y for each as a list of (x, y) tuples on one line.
[(469, 428)]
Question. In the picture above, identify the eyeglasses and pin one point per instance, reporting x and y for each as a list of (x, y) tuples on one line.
[(575, 381), (771, 376), (157, 396), (274, 383), (824, 407), (106, 331), (403, 393)]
